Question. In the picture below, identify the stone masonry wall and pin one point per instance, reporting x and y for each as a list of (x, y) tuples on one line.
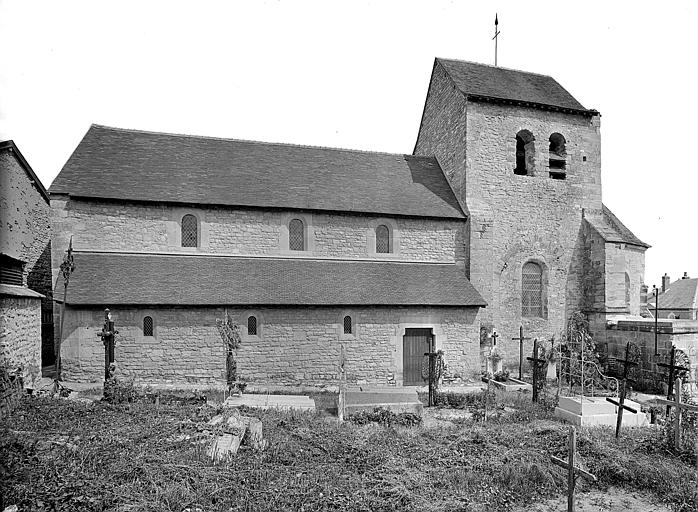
[(156, 228), (515, 219), (294, 346), (25, 225), (20, 336), (622, 259)]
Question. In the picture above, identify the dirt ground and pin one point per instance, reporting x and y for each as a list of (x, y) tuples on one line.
[(613, 500)]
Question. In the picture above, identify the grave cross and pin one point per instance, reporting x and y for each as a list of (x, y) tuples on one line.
[(572, 471), (494, 338), (521, 357), (535, 361), (341, 399), (680, 407), (672, 366), (620, 403)]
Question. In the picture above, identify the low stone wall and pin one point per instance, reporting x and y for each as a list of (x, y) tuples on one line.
[(294, 346), (682, 334), (20, 336)]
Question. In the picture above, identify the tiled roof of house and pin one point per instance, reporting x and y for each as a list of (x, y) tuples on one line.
[(681, 294), (110, 278), (491, 83), (611, 229), (113, 163)]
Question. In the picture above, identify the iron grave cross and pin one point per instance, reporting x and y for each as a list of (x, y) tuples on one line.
[(535, 361), (620, 404), (521, 344)]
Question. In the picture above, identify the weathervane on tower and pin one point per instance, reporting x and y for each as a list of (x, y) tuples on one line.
[(496, 39)]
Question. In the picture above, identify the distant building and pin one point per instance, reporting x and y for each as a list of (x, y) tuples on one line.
[(677, 300), (25, 266)]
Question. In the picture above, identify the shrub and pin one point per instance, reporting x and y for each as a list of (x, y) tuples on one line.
[(386, 418)]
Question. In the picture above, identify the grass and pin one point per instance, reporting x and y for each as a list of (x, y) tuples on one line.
[(65, 455)]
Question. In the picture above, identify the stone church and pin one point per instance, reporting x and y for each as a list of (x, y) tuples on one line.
[(494, 222)]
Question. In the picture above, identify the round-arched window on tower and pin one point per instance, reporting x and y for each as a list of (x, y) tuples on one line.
[(557, 156), (532, 290), (525, 153)]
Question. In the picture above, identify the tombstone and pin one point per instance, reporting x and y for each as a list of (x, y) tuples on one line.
[(583, 389)]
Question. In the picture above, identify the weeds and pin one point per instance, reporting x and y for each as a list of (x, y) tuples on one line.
[(63, 455)]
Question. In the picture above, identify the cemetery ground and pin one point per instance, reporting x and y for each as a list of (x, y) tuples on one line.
[(62, 454)]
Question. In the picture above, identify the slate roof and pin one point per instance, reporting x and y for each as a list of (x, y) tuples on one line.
[(112, 278), (480, 82), (611, 229), (114, 163), (681, 294)]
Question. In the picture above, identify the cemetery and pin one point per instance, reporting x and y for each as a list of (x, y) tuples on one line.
[(556, 444)]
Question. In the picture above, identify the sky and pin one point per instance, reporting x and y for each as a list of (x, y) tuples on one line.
[(354, 74)]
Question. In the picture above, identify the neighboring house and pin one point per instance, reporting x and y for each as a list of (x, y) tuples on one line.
[(677, 300), (25, 266), (308, 248)]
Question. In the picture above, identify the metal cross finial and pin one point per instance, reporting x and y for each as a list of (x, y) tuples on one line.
[(496, 38)]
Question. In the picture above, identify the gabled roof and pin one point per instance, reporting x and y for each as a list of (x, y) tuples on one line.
[(480, 82), (681, 294), (113, 163), (611, 229), (143, 279), (9, 145)]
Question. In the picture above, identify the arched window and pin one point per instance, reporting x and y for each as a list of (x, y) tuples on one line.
[(557, 158), (532, 290), (147, 326), (347, 324), (252, 325), (190, 231), (296, 235), (382, 239), (525, 153), (627, 289)]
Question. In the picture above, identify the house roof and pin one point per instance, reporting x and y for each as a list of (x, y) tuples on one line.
[(681, 294), (480, 82), (143, 279), (611, 229), (113, 163), (9, 145)]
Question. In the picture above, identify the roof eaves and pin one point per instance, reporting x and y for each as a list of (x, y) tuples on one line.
[(531, 104), (10, 146)]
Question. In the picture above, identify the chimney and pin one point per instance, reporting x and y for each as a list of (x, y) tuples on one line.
[(665, 282), (685, 275)]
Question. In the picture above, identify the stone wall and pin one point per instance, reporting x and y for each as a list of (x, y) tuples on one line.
[(151, 228), (294, 346), (513, 218), (20, 336), (25, 230), (682, 334)]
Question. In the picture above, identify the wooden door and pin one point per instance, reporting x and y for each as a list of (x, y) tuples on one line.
[(415, 343)]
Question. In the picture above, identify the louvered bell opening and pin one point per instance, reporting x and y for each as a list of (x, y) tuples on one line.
[(532, 291)]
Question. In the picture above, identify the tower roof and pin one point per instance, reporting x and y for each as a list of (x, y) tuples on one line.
[(480, 82)]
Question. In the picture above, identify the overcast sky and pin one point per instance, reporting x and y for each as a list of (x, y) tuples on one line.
[(355, 75)]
